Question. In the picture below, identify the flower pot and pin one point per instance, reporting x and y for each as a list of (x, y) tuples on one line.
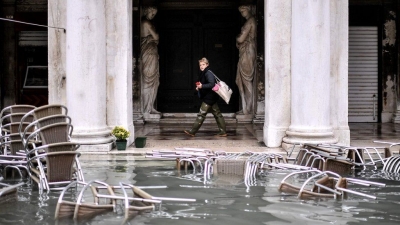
[(140, 142), (121, 144)]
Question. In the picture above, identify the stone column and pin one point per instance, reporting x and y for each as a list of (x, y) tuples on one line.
[(339, 70), (86, 69), (119, 64), (57, 12), (277, 70), (310, 80)]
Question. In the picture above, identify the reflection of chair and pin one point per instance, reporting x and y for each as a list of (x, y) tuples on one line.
[(52, 167), (8, 192)]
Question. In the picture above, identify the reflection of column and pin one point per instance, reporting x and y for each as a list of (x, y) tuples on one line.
[(339, 70), (277, 71), (119, 64), (86, 69), (310, 81)]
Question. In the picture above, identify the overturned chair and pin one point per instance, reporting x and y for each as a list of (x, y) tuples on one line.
[(132, 204), (82, 209), (325, 184), (8, 193)]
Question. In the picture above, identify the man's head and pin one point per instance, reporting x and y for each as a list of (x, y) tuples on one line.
[(203, 63)]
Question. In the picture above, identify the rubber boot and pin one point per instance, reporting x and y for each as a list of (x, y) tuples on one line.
[(221, 126), (201, 116), (219, 118)]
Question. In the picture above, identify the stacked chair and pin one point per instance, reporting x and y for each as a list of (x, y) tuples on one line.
[(52, 159), (11, 143)]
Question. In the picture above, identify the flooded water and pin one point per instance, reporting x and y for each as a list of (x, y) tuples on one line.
[(225, 200)]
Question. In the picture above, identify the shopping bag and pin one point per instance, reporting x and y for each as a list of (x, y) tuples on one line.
[(222, 89)]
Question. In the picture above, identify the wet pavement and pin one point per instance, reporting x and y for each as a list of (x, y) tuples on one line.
[(221, 200), (241, 137)]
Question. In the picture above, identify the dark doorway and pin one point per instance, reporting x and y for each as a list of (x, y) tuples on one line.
[(31, 60), (185, 37)]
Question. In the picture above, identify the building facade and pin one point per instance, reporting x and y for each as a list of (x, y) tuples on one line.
[(319, 64)]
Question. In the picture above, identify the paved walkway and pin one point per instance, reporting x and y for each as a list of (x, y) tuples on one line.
[(240, 137)]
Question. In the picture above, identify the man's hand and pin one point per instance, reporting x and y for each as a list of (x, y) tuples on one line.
[(198, 85)]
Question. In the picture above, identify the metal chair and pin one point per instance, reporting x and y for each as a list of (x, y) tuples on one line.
[(324, 184), (52, 167)]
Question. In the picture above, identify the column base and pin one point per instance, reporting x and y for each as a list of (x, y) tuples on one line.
[(343, 135), (386, 117), (260, 113), (273, 136), (322, 137), (92, 137)]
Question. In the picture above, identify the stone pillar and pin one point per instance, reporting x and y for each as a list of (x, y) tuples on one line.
[(86, 69), (119, 64), (57, 11), (396, 114), (310, 80), (339, 70), (277, 70)]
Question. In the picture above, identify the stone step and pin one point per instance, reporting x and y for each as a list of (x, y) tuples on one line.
[(223, 144), (189, 118), (208, 120)]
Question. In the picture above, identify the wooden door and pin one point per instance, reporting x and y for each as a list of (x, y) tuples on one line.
[(185, 37)]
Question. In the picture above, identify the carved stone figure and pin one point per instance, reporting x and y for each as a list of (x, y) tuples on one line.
[(149, 61), (246, 68)]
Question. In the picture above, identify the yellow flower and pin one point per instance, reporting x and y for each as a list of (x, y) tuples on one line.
[(120, 133)]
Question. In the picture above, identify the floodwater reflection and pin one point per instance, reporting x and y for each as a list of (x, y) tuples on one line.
[(224, 200)]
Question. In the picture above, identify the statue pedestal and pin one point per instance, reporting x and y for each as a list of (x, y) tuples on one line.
[(396, 116), (138, 118), (244, 118), (260, 113), (148, 117)]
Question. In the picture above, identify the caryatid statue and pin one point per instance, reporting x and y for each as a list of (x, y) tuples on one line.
[(246, 68), (149, 61)]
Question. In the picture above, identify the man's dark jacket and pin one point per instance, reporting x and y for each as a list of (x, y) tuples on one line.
[(207, 79)]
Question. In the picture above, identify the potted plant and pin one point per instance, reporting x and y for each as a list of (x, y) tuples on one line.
[(121, 134)]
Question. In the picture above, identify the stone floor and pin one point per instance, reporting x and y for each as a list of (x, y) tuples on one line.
[(241, 137)]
